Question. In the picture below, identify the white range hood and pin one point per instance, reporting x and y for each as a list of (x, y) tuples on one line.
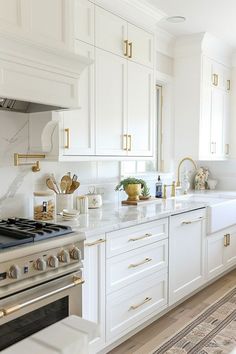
[(35, 79)]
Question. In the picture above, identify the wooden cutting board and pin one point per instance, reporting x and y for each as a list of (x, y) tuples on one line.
[(141, 201)]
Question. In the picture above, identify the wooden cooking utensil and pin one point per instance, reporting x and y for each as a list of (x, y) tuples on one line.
[(63, 186), (75, 185), (51, 185), (68, 180), (55, 183)]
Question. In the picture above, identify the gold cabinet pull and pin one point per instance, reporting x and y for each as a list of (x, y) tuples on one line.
[(97, 242), (228, 85), (134, 307), (126, 48), (129, 142), (146, 260), (1, 314), (228, 239), (192, 221), (225, 240), (215, 79), (67, 145), (130, 50), (125, 142), (227, 149), (140, 238)]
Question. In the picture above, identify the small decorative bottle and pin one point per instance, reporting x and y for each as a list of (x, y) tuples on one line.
[(159, 188)]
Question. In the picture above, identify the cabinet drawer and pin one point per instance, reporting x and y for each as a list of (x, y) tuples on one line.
[(136, 236), (127, 307), (131, 266)]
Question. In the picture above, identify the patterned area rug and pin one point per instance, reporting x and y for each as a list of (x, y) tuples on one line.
[(212, 332)]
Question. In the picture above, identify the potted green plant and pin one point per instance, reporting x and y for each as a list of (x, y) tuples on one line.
[(134, 188)]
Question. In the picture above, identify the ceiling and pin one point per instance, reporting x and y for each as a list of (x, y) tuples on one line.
[(215, 16)]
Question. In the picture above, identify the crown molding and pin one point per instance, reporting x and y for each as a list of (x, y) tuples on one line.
[(139, 12)]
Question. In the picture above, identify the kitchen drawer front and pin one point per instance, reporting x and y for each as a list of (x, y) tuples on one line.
[(136, 236), (134, 265), (128, 307)]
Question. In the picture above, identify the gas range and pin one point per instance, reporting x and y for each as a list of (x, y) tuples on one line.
[(18, 231)]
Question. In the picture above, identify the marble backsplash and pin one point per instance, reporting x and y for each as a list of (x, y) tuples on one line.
[(19, 183)]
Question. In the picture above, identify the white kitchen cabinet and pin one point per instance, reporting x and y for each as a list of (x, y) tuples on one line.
[(111, 103), (221, 251), (46, 22), (93, 292), (202, 99), (141, 45), (186, 254), (123, 38), (78, 125), (111, 32), (140, 110), (84, 21), (124, 107)]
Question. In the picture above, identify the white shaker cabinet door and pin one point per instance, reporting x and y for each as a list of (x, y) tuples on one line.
[(141, 46), (230, 250), (78, 125), (111, 104), (84, 21), (140, 110), (111, 32), (217, 128), (215, 255), (186, 254)]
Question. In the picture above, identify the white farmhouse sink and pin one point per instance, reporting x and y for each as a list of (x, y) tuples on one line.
[(221, 209)]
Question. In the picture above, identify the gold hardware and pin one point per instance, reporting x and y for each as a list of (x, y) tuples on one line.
[(130, 142), (146, 260), (97, 242), (35, 165), (227, 149), (215, 79), (134, 307), (140, 238), (228, 85), (184, 159), (126, 48), (192, 221), (75, 281), (125, 142), (226, 240), (1, 314), (67, 145), (173, 190), (130, 50)]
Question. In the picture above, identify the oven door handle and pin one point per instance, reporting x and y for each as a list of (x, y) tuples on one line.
[(8, 311)]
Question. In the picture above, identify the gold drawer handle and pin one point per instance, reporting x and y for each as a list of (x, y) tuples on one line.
[(125, 142), (140, 238), (1, 314), (146, 260), (215, 79), (192, 221), (228, 85), (130, 142), (134, 307), (126, 48), (97, 242), (227, 240), (130, 50), (67, 145)]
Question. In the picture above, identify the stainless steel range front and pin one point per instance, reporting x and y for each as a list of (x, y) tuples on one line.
[(40, 277)]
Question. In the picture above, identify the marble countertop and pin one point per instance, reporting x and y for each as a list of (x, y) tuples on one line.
[(112, 217)]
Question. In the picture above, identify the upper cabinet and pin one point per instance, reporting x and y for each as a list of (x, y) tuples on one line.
[(46, 22), (202, 100), (84, 21), (123, 38)]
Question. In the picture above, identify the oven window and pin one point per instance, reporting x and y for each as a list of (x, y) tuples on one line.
[(32, 322)]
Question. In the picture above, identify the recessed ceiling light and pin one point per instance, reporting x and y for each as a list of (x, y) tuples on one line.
[(176, 19)]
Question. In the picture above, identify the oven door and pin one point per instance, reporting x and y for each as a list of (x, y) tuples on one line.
[(38, 307)]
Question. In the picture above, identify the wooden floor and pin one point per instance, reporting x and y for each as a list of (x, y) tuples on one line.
[(152, 336)]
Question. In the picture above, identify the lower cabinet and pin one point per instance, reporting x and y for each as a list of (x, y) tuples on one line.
[(186, 254), (93, 294), (128, 307), (221, 251)]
